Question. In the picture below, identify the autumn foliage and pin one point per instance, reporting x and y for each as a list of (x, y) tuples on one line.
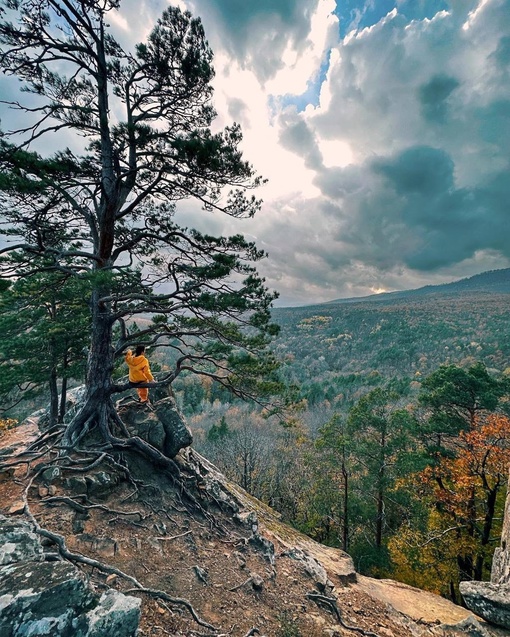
[(463, 490)]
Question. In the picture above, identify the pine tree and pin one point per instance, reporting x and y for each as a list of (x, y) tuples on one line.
[(107, 216)]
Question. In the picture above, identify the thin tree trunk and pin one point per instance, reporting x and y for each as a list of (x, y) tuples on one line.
[(63, 390), (63, 400), (490, 508), (53, 397), (345, 538)]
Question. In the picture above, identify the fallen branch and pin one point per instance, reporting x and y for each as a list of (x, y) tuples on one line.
[(173, 537)]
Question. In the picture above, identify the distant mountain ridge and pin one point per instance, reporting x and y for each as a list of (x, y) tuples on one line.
[(492, 282)]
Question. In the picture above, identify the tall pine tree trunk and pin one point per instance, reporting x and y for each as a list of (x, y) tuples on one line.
[(100, 365)]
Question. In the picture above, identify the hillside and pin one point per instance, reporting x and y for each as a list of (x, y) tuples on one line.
[(492, 282), (332, 349), (204, 557)]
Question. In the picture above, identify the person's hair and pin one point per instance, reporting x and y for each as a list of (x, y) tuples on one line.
[(140, 349)]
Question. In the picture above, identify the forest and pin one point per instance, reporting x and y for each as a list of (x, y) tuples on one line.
[(396, 445), (380, 428), (394, 440)]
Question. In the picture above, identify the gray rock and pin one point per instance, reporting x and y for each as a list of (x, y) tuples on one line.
[(54, 599), (501, 562), (116, 615), (41, 598), (18, 542), (51, 474), (100, 484), (177, 434), (469, 627), (163, 427), (489, 601), (312, 567)]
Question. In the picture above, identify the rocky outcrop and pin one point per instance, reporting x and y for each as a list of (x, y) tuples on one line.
[(161, 425), (40, 597), (501, 563), (491, 600)]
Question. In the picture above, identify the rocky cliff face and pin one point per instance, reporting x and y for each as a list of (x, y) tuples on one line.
[(491, 600), (188, 554)]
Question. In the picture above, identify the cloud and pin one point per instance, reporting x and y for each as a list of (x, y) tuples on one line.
[(257, 34), (383, 128), (423, 106), (434, 95)]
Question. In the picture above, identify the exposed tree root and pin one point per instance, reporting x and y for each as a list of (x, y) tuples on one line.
[(330, 603), (77, 558), (82, 508), (60, 447), (173, 600)]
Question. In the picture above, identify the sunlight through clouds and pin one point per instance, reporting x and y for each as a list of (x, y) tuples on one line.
[(351, 130), (382, 127)]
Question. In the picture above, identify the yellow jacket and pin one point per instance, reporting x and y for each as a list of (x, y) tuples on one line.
[(139, 370)]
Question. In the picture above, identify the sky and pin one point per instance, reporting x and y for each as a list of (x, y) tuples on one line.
[(382, 126)]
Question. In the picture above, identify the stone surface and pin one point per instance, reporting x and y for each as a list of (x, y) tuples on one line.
[(163, 426), (490, 601), (54, 598), (501, 562), (417, 604), (177, 434), (116, 615), (37, 595), (312, 567), (18, 542), (469, 627), (100, 483)]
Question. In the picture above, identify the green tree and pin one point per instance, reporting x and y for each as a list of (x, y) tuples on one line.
[(333, 439), (107, 215), (382, 443), (453, 397), (457, 403), (45, 327), (219, 432)]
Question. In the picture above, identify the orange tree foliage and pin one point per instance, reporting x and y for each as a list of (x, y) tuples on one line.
[(465, 497), (7, 423)]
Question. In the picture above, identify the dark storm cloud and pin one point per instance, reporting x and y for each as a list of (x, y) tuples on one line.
[(296, 136), (434, 96), (421, 170), (406, 209)]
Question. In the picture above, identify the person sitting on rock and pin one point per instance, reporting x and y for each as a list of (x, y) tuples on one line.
[(139, 371)]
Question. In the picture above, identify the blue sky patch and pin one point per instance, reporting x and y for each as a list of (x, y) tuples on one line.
[(359, 14)]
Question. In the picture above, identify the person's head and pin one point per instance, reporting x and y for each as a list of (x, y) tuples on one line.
[(140, 349)]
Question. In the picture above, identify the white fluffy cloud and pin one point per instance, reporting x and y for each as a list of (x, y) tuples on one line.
[(402, 158), (386, 149)]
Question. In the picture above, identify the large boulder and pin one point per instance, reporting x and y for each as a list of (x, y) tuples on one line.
[(40, 597), (161, 425), (490, 601), (501, 562)]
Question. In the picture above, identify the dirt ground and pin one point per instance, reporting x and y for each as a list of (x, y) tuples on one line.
[(146, 527)]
